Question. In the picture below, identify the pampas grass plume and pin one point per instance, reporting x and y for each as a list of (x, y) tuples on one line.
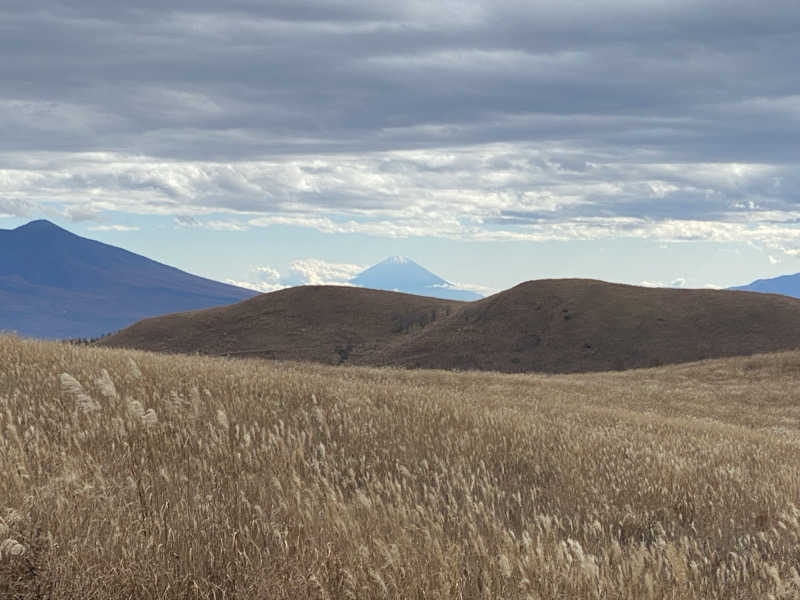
[(135, 409), (106, 385), (134, 368), (83, 401), (149, 418), (11, 547)]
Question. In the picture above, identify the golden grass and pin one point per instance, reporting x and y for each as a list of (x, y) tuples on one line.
[(199, 477)]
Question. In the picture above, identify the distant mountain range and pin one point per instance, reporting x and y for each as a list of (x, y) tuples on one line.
[(788, 285), (400, 274), (551, 325), (55, 284)]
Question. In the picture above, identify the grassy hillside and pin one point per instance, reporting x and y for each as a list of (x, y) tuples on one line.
[(553, 326), (327, 324), (127, 474), (575, 325)]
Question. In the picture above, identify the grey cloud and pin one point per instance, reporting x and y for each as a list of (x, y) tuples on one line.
[(195, 79), (82, 212), (349, 114), (16, 207), (451, 192), (185, 221)]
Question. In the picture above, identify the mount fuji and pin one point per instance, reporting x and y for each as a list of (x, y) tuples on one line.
[(401, 274)]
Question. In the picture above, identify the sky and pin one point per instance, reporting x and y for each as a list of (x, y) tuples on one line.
[(282, 142)]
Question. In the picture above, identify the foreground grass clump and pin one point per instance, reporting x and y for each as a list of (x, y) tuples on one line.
[(134, 475)]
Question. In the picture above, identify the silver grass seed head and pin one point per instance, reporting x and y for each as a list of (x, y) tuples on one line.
[(70, 385), (134, 368), (149, 418), (11, 547), (83, 401), (222, 419), (106, 385), (135, 409)]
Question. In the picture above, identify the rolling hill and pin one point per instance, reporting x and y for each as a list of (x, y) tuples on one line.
[(328, 324), (558, 325), (55, 284)]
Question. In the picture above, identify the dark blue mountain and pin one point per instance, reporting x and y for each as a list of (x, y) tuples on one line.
[(400, 274), (788, 285), (55, 284)]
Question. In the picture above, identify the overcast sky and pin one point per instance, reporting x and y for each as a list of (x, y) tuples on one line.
[(493, 142)]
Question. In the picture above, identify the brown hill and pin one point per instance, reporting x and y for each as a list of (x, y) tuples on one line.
[(569, 325), (328, 324), (555, 325)]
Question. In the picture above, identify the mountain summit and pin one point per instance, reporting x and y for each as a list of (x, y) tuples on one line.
[(401, 274), (55, 284)]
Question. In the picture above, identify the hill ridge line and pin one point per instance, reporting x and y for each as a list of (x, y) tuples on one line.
[(550, 325)]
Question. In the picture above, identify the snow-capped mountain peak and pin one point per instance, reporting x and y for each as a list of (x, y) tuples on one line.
[(397, 260), (398, 273)]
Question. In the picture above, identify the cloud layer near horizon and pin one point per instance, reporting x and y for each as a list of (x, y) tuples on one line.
[(514, 120), (306, 271)]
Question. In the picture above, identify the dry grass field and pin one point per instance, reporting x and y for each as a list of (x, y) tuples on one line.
[(133, 475)]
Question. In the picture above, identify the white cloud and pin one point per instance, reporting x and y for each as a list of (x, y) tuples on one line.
[(262, 279), (383, 228), (262, 287), (114, 228), (307, 271), (680, 282), (508, 191), (15, 207), (313, 271), (267, 274), (214, 225), (225, 226), (83, 211), (785, 245), (470, 287)]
